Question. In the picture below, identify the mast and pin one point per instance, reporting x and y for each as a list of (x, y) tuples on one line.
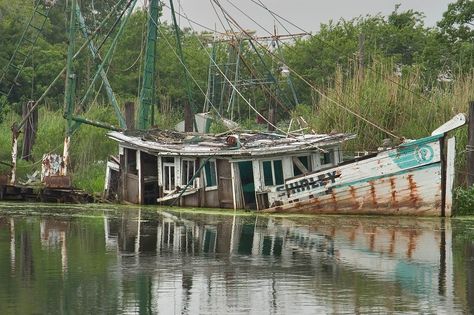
[(147, 94), (69, 94)]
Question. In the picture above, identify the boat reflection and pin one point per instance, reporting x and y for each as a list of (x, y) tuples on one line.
[(179, 263)]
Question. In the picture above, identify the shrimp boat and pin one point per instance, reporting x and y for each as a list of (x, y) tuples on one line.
[(275, 173)]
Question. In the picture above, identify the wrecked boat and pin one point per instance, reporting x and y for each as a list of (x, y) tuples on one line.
[(284, 173)]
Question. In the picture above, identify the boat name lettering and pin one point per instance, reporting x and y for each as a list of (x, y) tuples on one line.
[(307, 183)]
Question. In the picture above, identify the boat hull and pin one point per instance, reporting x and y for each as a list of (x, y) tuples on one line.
[(407, 180)]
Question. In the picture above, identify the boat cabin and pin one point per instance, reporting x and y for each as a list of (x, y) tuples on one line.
[(240, 171)]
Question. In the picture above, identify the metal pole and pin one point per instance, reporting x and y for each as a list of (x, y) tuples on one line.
[(147, 94), (470, 146), (15, 134), (103, 75), (69, 94)]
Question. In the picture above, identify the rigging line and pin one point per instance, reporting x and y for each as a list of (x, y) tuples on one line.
[(134, 63), (115, 24), (142, 48), (266, 89), (182, 63), (191, 20), (339, 51), (335, 102), (234, 87), (218, 16), (275, 81)]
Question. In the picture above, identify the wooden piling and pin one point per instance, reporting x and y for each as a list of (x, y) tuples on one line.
[(130, 115), (188, 118), (470, 146), (30, 129)]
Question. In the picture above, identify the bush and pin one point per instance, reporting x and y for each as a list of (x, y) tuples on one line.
[(464, 201)]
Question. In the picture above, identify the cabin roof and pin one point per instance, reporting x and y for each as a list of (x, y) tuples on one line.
[(248, 143)]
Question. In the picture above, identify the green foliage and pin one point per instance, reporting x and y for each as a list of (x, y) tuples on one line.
[(3, 108), (91, 178), (457, 22), (464, 201)]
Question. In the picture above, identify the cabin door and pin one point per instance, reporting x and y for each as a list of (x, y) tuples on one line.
[(224, 174), (248, 185)]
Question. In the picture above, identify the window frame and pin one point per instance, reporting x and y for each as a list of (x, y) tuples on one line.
[(331, 151), (310, 167), (272, 165), (214, 187), (165, 174), (193, 163)]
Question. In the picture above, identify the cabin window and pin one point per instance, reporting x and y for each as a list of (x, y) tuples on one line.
[(305, 162), (210, 171), (169, 177), (187, 171), (326, 158), (273, 172)]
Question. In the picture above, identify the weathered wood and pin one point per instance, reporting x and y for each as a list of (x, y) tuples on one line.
[(30, 129), (470, 146), (450, 173), (188, 118), (299, 165), (272, 117), (130, 115)]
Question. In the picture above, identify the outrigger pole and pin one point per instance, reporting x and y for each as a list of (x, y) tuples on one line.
[(147, 94)]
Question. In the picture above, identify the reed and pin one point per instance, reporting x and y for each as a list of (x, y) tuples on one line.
[(401, 103)]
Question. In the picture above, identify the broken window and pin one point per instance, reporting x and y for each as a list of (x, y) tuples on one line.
[(188, 170), (302, 165), (132, 161), (273, 172), (211, 173), (326, 158)]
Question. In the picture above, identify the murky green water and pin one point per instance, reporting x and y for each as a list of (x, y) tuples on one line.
[(94, 260)]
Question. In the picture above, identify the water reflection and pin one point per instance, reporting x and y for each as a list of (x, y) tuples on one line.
[(143, 261)]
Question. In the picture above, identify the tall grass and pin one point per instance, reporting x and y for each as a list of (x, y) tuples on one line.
[(402, 104)]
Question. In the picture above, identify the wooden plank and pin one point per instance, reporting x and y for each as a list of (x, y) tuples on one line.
[(470, 146), (450, 173)]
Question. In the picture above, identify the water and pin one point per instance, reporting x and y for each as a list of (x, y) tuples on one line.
[(57, 259)]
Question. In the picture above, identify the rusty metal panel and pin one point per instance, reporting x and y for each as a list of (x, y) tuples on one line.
[(57, 181), (52, 165)]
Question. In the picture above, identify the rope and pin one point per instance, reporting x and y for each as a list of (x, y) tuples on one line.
[(184, 65), (260, 4), (311, 85), (236, 90)]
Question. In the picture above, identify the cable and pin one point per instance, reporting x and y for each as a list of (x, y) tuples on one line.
[(308, 83), (233, 86), (273, 13), (184, 65), (193, 21)]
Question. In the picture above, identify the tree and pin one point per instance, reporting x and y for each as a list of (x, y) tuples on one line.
[(458, 21)]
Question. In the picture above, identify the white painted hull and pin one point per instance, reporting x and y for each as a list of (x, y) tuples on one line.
[(407, 180)]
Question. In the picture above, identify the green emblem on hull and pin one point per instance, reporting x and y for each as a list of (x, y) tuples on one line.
[(412, 156)]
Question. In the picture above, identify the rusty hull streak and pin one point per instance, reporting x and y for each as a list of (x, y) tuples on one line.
[(373, 194), (356, 205), (394, 192), (413, 191)]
